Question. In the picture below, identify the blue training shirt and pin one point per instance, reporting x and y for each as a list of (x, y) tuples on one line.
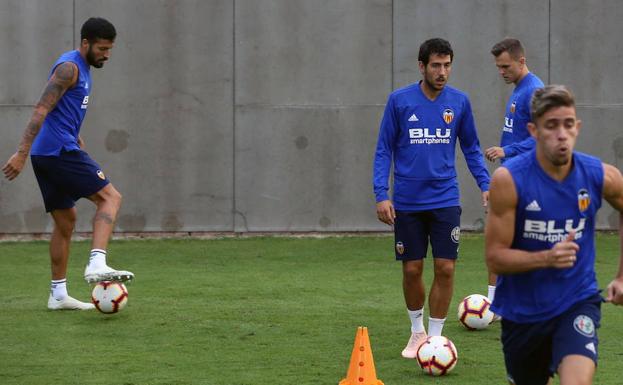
[(547, 210), (61, 127), (419, 136), (515, 136)]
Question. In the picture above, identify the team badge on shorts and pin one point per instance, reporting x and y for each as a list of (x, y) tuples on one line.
[(455, 234), (448, 115), (584, 199), (100, 173), (400, 248), (584, 325)]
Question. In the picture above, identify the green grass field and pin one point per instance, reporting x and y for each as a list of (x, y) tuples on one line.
[(247, 311)]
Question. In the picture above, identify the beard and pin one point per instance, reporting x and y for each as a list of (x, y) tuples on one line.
[(93, 61), (431, 83), (560, 161)]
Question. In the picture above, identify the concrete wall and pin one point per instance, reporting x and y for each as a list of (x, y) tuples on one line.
[(262, 115)]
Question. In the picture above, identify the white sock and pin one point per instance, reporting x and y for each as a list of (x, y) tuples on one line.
[(58, 288), (417, 322), (435, 326), (491, 293), (98, 258)]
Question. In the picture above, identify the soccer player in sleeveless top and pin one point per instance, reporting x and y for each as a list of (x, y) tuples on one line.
[(510, 59), (65, 172), (419, 132), (539, 239)]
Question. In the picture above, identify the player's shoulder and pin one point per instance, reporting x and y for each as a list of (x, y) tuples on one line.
[(587, 160), (530, 84), (520, 163), (456, 93), (68, 56), (67, 61), (409, 90), (534, 80)]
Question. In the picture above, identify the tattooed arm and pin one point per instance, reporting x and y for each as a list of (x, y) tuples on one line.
[(64, 77)]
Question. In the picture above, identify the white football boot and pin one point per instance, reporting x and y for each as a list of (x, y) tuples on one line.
[(416, 339), (68, 303), (106, 273)]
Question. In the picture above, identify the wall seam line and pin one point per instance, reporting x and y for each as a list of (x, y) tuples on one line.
[(233, 94), (549, 42)]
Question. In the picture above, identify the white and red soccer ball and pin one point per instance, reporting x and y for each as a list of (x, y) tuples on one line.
[(474, 312), (109, 296), (437, 355)]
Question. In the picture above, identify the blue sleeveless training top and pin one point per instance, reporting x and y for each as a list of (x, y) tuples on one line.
[(61, 127), (547, 210)]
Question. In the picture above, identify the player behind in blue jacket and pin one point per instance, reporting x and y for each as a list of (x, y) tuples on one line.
[(510, 59), (65, 172), (539, 239), (418, 133)]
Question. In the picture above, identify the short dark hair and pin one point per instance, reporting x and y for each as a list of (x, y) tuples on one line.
[(511, 45), (97, 28), (434, 46), (551, 96)]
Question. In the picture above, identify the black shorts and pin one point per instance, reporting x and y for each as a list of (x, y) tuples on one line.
[(413, 230), (66, 178), (533, 351)]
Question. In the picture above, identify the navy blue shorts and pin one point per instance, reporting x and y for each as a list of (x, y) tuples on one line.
[(533, 351), (413, 230), (66, 178)]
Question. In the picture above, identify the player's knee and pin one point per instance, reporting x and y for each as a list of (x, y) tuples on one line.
[(412, 271), (117, 198), (444, 270), (112, 197), (66, 223)]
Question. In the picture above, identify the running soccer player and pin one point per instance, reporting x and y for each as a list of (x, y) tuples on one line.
[(418, 133), (539, 239), (65, 172), (510, 59)]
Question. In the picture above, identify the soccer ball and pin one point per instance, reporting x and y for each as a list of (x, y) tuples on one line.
[(437, 355), (474, 312), (109, 296)]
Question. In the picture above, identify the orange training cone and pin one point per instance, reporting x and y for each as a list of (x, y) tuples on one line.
[(361, 369)]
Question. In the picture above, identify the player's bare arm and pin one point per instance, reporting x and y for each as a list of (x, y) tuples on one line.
[(63, 78), (500, 229), (613, 194)]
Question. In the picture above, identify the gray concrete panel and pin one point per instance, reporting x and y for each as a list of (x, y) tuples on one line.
[(472, 27), (160, 120), (305, 169), (21, 206), (587, 49), (279, 135), (33, 34), (327, 52)]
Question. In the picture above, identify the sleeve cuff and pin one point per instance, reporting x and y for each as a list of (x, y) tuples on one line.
[(508, 152), (382, 197)]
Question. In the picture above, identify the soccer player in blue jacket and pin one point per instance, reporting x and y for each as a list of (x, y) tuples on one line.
[(510, 59), (539, 239), (65, 172), (418, 134)]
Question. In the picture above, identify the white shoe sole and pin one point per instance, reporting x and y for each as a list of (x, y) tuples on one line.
[(72, 304), (119, 276)]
